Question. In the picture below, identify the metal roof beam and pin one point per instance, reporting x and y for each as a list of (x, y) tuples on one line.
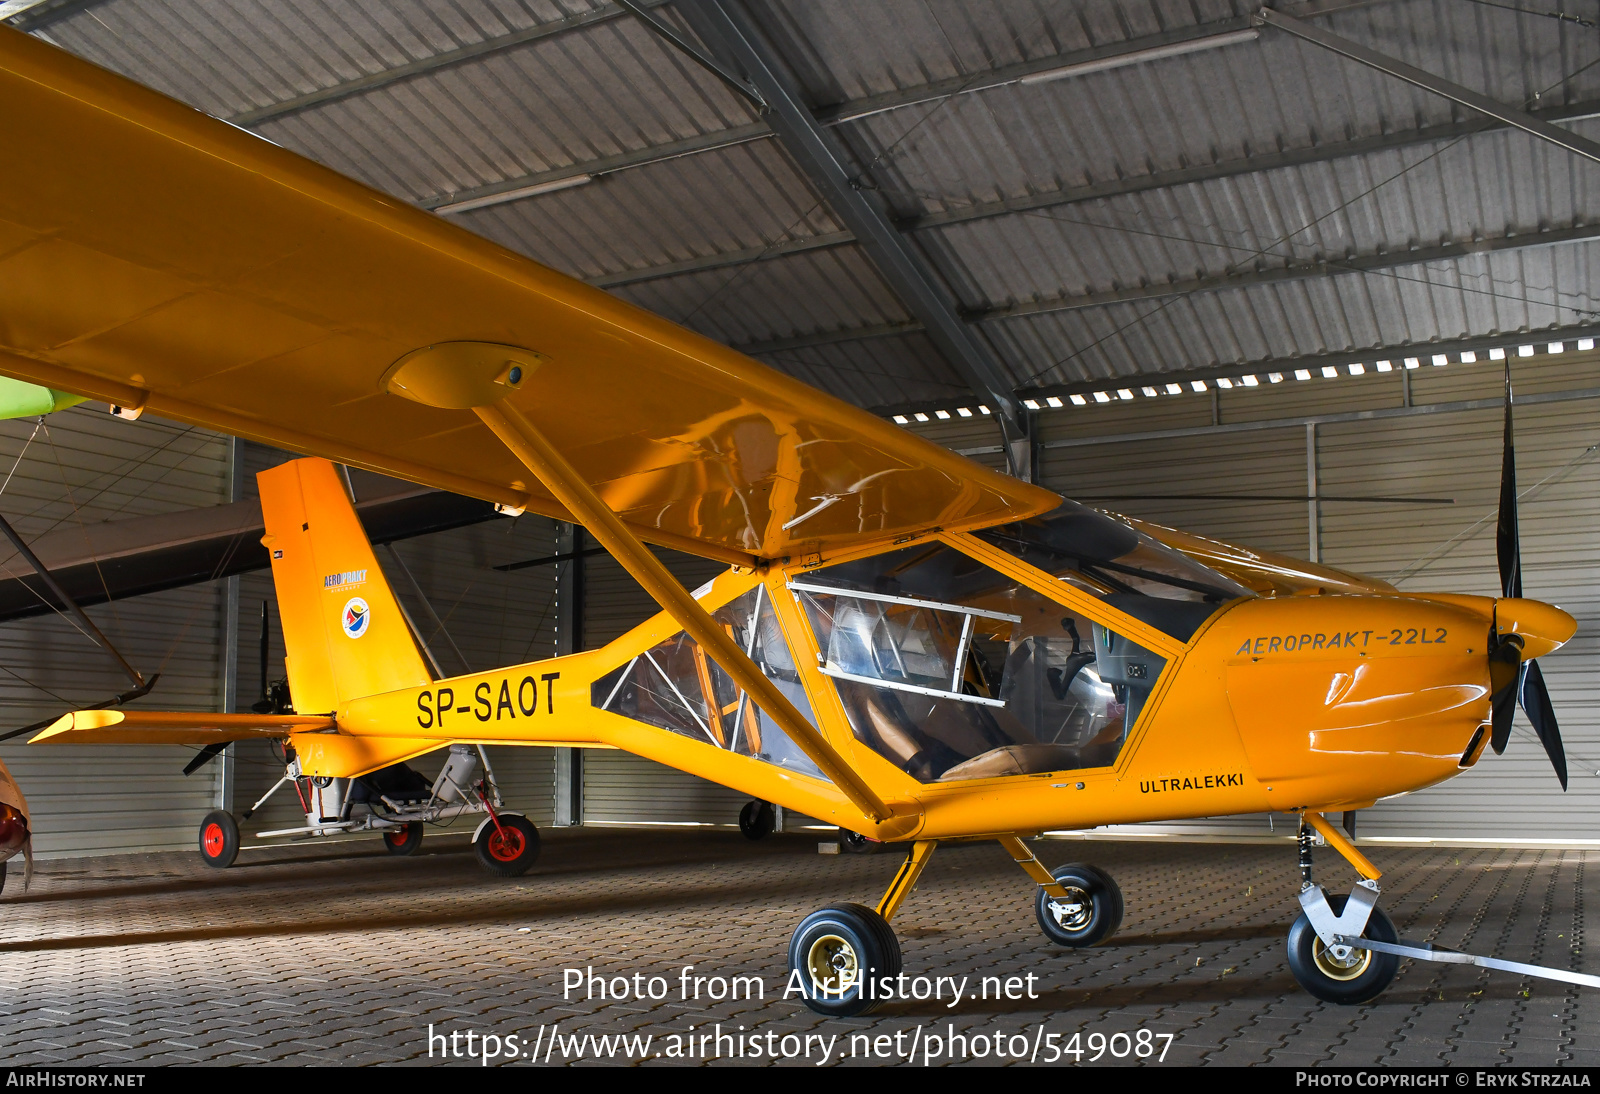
[(372, 81), (1512, 116), (1093, 191), (1243, 165), (865, 107), (50, 11), (1370, 263), (660, 153), (36, 16), (729, 33)]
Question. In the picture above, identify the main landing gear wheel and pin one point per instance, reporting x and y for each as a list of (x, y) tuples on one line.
[(404, 841), (219, 839), (854, 843), (1355, 980), (510, 849), (757, 819), (1091, 913), (836, 951)]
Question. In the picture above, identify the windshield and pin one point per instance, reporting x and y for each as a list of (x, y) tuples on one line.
[(1106, 557)]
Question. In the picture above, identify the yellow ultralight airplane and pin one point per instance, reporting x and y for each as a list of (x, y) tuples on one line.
[(905, 643)]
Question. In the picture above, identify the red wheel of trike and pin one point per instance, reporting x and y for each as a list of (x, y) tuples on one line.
[(509, 848), (219, 839), (404, 841)]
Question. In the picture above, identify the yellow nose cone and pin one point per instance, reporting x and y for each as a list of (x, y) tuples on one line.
[(1542, 627)]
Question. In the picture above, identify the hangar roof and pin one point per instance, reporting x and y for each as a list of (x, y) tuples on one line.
[(1199, 196)]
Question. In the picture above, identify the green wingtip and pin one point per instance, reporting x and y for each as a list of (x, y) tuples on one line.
[(19, 399)]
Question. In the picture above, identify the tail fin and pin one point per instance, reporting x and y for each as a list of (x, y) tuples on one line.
[(342, 626)]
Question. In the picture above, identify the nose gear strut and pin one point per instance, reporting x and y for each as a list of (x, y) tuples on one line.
[(1345, 949)]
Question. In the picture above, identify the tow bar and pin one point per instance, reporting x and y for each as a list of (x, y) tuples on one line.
[(1424, 951)]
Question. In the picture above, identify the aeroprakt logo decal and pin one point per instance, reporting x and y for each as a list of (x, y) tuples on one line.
[(349, 577), (1394, 636), (356, 618)]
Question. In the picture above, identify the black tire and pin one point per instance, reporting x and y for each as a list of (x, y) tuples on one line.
[(854, 843), (404, 841), (2, 877), (851, 938), (219, 839), (509, 850), (1092, 917), (757, 819), (1315, 970)]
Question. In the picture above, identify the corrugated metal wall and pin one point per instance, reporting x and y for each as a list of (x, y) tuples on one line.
[(494, 618), (85, 466), (1454, 455)]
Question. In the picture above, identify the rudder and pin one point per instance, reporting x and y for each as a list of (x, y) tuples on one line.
[(342, 627)]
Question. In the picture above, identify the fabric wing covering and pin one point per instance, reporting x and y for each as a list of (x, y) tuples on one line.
[(153, 256)]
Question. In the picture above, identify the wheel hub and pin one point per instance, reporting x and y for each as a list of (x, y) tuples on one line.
[(1073, 913), (1348, 966), (833, 964), (213, 839), (506, 844)]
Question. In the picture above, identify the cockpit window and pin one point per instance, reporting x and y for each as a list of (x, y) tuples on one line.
[(900, 642), (675, 686), (951, 670), (1106, 557)]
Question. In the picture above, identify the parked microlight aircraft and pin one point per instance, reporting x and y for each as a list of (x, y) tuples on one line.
[(912, 646)]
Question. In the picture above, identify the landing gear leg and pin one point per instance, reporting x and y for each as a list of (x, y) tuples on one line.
[(1324, 952), (841, 952), (1077, 905)]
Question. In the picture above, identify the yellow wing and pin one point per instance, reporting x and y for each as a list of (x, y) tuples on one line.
[(155, 727), (157, 258)]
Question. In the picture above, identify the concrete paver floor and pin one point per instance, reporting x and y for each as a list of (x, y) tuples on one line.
[(342, 954)]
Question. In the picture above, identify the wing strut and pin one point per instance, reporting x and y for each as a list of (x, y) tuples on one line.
[(558, 476)]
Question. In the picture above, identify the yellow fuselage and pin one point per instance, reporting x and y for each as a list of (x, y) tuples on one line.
[(1289, 703)]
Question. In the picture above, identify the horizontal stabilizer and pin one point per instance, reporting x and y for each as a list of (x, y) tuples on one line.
[(160, 727)]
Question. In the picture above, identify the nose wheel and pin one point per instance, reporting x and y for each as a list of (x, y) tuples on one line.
[(1354, 975), (1326, 961)]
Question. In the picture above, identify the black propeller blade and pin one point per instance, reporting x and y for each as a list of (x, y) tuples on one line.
[(1517, 682), (1507, 537), (1505, 673), (1535, 700), (203, 757)]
